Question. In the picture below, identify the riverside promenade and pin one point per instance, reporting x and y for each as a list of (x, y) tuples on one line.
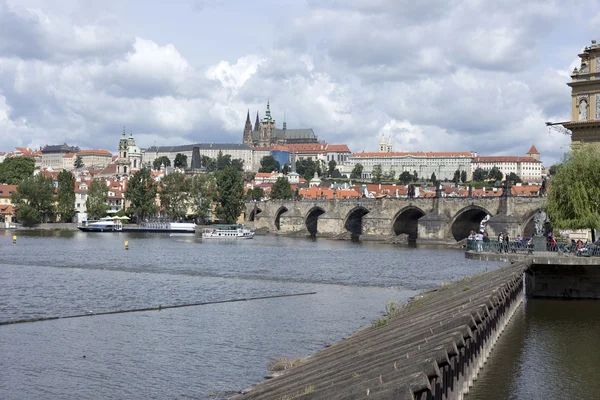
[(431, 347)]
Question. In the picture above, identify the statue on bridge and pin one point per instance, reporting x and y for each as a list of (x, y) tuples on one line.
[(540, 221)]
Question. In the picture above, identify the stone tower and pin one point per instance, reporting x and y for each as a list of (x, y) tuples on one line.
[(247, 138), (267, 129), (585, 98), (123, 163)]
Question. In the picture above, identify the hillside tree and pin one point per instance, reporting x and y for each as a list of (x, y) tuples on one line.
[(230, 194), (97, 196), (16, 169), (203, 191), (65, 197), (34, 200), (141, 193), (376, 173), (160, 161), (174, 195), (180, 161), (269, 164), (281, 190), (574, 194)]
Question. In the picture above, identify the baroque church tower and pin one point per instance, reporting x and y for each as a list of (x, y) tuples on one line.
[(123, 163), (585, 98)]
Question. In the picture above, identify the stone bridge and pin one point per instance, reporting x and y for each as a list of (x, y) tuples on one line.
[(427, 219)]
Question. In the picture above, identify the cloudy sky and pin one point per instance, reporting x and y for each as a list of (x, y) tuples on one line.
[(444, 75)]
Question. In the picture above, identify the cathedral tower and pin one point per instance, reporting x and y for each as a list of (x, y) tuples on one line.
[(267, 129), (247, 138)]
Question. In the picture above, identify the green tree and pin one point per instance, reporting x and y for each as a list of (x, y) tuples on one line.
[(238, 164), (180, 161), (480, 175), (463, 176), (223, 161), (269, 164), (256, 193), (456, 177), (160, 161), (574, 194), (331, 166), (34, 200), (495, 174), (141, 193), (285, 169), (97, 196), (307, 168), (66, 196), (415, 176), (405, 178), (281, 190), (203, 193), (357, 171), (230, 193), (78, 162), (174, 195), (390, 176), (514, 178), (209, 163), (376, 173), (433, 178), (553, 169), (15, 169)]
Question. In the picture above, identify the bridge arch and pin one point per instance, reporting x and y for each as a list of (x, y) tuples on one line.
[(354, 221), (255, 211), (466, 220), (312, 218), (407, 221), (280, 211)]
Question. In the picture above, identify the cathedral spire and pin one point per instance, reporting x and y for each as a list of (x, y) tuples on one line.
[(248, 117), (257, 123), (284, 124)]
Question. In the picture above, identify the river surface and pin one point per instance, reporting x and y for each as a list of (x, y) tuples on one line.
[(214, 350)]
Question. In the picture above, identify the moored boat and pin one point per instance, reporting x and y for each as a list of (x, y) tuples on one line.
[(223, 232), (114, 224)]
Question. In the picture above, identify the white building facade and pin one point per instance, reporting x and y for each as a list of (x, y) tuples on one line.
[(235, 150), (442, 164)]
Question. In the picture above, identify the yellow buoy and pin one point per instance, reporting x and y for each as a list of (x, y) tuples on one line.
[(127, 245), (15, 239)]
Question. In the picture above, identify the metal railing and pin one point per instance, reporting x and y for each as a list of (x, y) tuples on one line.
[(527, 247)]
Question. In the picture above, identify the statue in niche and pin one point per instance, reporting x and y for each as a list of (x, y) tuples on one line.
[(540, 221), (583, 105)]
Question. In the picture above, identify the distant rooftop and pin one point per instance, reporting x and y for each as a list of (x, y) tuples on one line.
[(201, 146)]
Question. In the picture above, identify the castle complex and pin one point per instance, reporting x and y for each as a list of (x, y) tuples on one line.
[(266, 134)]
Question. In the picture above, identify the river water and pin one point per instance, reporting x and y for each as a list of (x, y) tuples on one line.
[(213, 350)]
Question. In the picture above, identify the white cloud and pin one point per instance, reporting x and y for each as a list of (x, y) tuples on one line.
[(436, 75)]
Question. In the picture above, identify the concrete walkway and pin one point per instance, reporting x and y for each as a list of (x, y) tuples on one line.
[(432, 346)]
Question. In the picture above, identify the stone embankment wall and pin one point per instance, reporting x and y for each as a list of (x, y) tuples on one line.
[(434, 345)]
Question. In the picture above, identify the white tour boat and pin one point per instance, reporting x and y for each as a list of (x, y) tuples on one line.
[(235, 231)]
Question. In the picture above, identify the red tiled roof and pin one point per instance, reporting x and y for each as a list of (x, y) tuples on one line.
[(7, 190), (499, 159), (69, 155), (110, 169), (533, 150), (6, 209), (95, 152), (338, 148)]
